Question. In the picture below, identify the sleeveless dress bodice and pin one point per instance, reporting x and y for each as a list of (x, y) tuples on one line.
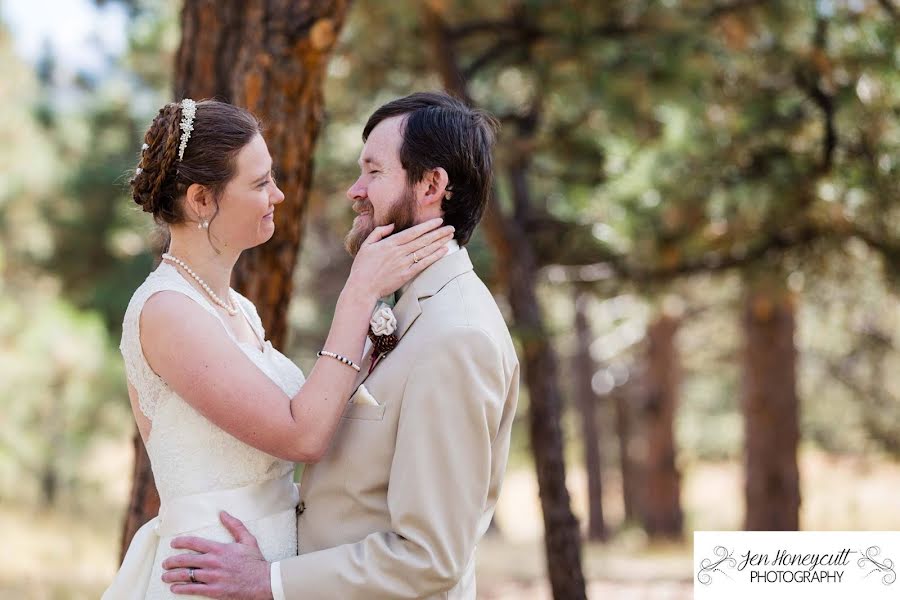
[(196, 463)]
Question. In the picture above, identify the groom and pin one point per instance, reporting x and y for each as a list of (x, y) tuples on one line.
[(397, 505)]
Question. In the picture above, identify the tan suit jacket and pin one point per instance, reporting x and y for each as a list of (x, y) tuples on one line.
[(408, 487)]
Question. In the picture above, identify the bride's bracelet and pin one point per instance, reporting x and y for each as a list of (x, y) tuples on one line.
[(343, 359)]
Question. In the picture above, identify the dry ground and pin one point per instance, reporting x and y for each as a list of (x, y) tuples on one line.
[(71, 554)]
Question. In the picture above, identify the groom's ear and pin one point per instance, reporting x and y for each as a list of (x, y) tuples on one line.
[(433, 187)]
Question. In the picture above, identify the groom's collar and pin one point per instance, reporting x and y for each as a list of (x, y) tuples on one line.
[(427, 284), (452, 247)]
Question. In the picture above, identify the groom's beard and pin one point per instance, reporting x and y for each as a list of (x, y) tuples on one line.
[(402, 214)]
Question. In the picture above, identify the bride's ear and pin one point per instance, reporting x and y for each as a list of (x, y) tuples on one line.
[(434, 187), (198, 201)]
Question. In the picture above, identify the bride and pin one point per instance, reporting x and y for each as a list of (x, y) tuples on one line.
[(223, 414)]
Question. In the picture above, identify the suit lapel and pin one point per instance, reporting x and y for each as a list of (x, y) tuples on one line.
[(408, 308), (427, 284), (407, 311), (363, 367)]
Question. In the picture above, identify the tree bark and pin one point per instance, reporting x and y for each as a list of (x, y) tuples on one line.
[(269, 56), (770, 405), (144, 502), (627, 468), (562, 539), (587, 405), (660, 489)]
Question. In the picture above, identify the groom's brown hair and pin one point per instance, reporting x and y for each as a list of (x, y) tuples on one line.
[(442, 131)]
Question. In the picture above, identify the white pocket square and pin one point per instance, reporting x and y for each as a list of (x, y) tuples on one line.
[(363, 396)]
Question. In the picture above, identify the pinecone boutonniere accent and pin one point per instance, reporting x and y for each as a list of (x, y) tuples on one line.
[(381, 330)]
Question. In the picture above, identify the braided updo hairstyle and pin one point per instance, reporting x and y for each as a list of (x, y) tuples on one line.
[(160, 182)]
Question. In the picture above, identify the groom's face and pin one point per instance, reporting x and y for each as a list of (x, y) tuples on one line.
[(381, 194)]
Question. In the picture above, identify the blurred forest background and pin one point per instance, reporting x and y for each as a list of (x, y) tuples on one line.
[(695, 240)]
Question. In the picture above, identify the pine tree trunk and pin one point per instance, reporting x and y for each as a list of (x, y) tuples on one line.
[(144, 502), (587, 405), (627, 468), (269, 56), (562, 539), (660, 488), (770, 405), (53, 426)]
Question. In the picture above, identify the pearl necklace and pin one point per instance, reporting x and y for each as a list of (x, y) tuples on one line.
[(229, 308)]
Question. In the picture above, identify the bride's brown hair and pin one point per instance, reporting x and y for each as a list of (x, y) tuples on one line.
[(161, 180)]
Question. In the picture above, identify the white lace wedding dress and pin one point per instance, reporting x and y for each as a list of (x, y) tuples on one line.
[(199, 468)]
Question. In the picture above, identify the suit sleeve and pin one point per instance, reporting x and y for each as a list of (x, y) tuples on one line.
[(438, 488)]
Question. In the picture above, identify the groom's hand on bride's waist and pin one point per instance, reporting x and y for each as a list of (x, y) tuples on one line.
[(235, 571)]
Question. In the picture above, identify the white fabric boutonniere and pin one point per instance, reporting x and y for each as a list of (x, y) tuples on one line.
[(383, 321), (382, 326)]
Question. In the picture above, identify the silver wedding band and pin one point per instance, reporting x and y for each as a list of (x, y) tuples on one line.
[(191, 574)]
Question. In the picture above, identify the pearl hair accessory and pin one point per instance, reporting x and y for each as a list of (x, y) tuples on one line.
[(188, 111), (139, 170), (229, 308)]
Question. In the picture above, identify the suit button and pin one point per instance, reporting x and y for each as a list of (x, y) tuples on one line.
[(301, 507)]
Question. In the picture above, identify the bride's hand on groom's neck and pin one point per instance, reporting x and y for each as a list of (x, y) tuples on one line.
[(386, 262)]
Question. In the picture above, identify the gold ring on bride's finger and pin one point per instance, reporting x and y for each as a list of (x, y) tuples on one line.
[(415, 258), (191, 574)]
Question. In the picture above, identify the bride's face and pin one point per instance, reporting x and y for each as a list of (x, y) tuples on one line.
[(246, 215)]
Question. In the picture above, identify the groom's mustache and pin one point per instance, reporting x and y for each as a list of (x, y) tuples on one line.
[(362, 206)]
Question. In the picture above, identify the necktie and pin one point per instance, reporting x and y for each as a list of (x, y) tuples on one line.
[(391, 299)]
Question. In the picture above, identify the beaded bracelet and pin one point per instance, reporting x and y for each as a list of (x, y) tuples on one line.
[(343, 359)]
